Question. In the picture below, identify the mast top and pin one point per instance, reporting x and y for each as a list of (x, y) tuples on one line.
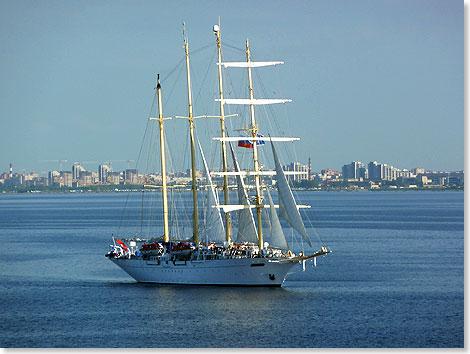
[(184, 33), (216, 28)]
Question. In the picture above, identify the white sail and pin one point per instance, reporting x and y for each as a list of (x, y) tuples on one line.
[(254, 101), (287, 207), (278, 239), (251, 64), (232, 207), (214, 225), (246, 223), (254, 173), (258, 138)]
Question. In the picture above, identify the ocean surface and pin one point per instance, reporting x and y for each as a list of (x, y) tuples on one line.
[(395, 279)]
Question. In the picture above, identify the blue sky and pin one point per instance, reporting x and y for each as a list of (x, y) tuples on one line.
[(370, 80)]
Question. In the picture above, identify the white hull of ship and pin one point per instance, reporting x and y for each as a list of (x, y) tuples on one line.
[(232, 271)]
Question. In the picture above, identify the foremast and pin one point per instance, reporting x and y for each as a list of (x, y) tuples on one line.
[(166, 233)]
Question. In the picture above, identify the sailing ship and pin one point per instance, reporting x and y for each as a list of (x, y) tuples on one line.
[(219, 258)]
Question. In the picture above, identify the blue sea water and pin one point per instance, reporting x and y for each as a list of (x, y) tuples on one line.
[(395, 279)]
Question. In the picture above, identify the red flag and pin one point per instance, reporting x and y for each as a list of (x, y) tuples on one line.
[(246, 144), (249, 143), (122, 244)]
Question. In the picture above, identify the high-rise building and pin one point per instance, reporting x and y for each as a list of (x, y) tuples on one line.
[(103, 171), (375, 170), (382, 172), (354, 170), (456, 178), (77, 170), (296, 167), (53, 178), (114, 177), (309, 169), (86, 178), (417, 171), (66, 178), (131, 176)]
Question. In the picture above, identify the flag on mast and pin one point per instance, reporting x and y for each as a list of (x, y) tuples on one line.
[(124, 246), (249, 143)]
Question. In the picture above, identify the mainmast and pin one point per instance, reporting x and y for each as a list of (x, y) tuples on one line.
[(228, 230), (254, 133), (191, 138), (166, 235)]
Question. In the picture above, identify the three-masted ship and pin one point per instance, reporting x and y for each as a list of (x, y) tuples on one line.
[(220, 258)]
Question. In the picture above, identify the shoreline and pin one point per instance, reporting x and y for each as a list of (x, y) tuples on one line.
[(137, 190)]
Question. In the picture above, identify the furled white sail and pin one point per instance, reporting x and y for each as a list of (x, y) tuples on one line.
[(254, 173), (258, 138), (287, 207), (254, 101), (214, 225), (278, 239), (251, 64), (246, 223), (233, 207)]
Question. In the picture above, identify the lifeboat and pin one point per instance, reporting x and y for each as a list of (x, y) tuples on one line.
[(182, 250), (151, 249)]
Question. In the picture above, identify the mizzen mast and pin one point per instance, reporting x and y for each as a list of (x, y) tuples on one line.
[(254, 134)]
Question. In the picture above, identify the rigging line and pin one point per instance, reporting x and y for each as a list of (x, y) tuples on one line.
[(307, 216), (176, 197), (205, 76), (271, 111), (167, 76), (289, 122), (226, 74), (240, 110), (294, 158), (215, 124), (173, 214), (200, 49), (137, 161), (141, 212), (150, 156), (228, 45), (174, 84), (295, 193), (189, 214), (152, 166), (269, 108)]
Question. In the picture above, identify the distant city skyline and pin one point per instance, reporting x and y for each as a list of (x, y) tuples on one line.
[(353, 176), (123, 165), (375, 80)]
